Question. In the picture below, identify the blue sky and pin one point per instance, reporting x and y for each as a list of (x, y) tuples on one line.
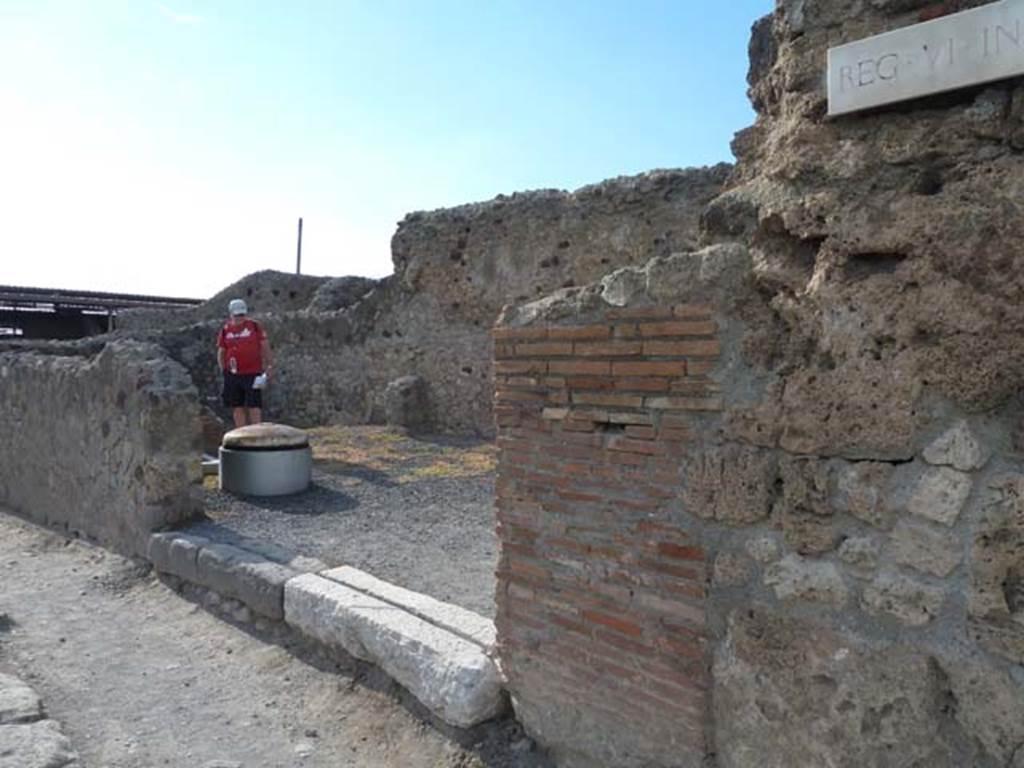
[(170, 147)]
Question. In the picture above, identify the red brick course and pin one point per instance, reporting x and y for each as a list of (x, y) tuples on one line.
[(601, 588)]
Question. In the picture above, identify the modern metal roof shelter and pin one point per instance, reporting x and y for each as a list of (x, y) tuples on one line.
[(59, 313)]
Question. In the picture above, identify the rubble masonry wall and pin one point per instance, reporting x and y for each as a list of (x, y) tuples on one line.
[(670, 593), (340, 342), (100, 441), (858, 500)]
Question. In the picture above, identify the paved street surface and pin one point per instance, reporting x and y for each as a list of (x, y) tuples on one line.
[(140, 676)]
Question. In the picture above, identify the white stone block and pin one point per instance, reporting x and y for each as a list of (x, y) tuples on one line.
[(798, 578), (18, 702), (176, 553), (460, 621), (35, 745), (957, 447), (450, 675), (940, 495), (906, 599), (919, 547)]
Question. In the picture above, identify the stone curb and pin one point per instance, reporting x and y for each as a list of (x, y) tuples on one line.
[(230, 571), (441, 653), (453, 618), (245, 576), (453, 677)]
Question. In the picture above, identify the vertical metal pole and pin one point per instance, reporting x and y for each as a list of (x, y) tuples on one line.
[(298, 255)]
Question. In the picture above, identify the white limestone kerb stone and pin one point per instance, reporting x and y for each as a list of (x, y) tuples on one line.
[(451, 676), (453, 618)]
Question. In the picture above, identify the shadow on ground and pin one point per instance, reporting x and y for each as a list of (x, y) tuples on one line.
[(499, 743), (316, 500)]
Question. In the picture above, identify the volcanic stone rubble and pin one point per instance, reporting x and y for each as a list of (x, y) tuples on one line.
[(855, 490), (28, 739), (99, 439)]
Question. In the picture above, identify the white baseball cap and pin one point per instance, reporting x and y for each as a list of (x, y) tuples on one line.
[(237, 307)]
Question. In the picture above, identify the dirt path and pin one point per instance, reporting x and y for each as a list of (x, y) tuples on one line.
[(140, 677)]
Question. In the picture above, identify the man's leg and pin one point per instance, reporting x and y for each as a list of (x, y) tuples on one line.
[(239, 416), (255, 415)]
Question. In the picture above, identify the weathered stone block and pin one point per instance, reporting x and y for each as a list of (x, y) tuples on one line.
[(861, 492), (860, 553), (35, 745), (903, 598), (18, 702), (764, 549), (176, 553), (790, 693), (804, 510), (924, 549), (732, 570), (453, 677), (245, 576), (959, 448), (730, 484), (989, 707), (213, 430), (453, 618), (939, 495), (819, 407), (996, 599), (406, 403), (795, 577)]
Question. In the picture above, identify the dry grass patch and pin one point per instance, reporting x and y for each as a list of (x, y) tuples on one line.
[(399, 457)]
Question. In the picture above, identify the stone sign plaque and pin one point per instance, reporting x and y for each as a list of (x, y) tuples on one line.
[(966, 48)]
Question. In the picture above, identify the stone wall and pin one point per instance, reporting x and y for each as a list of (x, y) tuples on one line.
[(454, 271), (267, 291), (857, 499), (473, 260), (739, 602), (100, 440)]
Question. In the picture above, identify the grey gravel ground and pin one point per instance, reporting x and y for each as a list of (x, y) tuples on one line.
[(140, 677), (431, 535)]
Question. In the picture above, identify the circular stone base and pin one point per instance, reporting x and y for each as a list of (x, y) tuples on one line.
[(265, 472)]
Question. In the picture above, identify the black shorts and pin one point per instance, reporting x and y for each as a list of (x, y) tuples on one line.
[(238, 391)]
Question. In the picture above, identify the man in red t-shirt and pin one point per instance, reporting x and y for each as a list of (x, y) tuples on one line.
[(243, 353)]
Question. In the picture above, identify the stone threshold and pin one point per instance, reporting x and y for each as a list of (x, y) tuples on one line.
[(441, 653)]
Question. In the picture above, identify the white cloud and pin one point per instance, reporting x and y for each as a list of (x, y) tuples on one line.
[(178, 18)]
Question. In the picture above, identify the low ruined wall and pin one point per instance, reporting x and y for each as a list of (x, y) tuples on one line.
[(474, 259), (680, 586), (266, 292), (99, 440), (338, 343)]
